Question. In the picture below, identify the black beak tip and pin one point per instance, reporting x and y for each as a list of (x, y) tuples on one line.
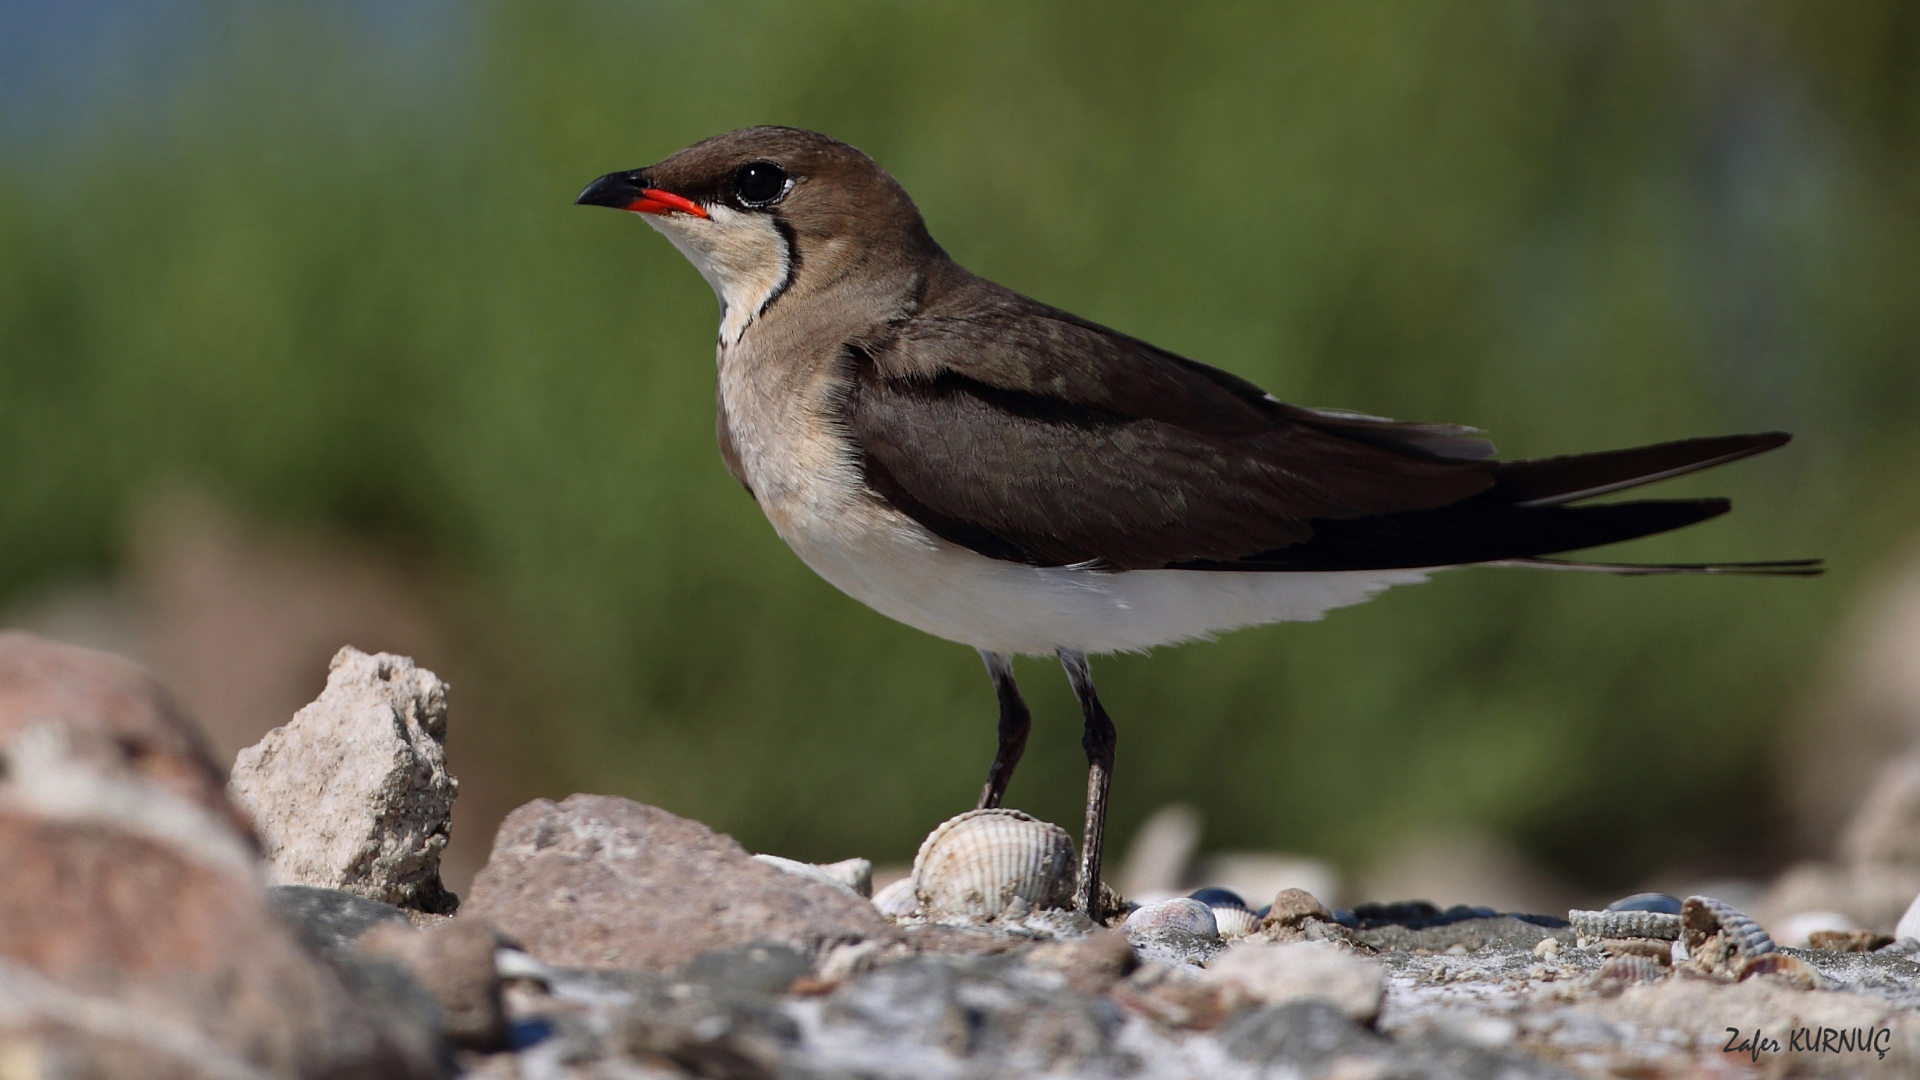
[(617, 190)]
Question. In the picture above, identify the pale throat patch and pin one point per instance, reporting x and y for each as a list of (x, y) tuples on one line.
[(743, 256)]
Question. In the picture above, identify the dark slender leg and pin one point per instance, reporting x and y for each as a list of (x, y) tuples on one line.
[(1015, 722), (1098, 742)]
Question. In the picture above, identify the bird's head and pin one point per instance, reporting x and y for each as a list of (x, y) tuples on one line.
[(769, 211)]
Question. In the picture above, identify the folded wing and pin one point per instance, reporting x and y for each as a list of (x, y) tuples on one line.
[(1029, 435)]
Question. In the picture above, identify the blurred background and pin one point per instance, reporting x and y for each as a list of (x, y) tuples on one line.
[(302, 344)]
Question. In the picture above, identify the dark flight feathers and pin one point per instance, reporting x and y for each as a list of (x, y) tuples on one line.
[(1027, 434)]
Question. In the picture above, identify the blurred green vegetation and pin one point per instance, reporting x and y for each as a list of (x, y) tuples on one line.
[(348, 297)]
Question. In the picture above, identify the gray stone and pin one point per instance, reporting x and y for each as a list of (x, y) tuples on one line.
[(332, 920), (603, 882), (353, 793), (764, 968), (454, 963)]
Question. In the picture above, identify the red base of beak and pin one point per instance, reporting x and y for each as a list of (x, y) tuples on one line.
[(655, 201)]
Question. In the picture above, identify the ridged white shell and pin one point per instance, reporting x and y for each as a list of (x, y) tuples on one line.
[(1625, 924), (1234, 922), (986, 862), (1181, 913), (896, 900)]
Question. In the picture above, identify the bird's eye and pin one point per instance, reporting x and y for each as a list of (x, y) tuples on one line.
[(759, 183)]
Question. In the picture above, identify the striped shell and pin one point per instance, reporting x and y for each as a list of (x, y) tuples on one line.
[(1230, 914), (1705, 917), (989, 862), (1630, 969), (1595, 925), (1234, 922), (1182, 914)]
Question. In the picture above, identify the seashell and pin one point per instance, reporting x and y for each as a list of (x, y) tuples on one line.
[(1622, 971), (1647, 901), (1230, 914), (1721, 941), (1660, 952), (1596, 925), (1705, 917), (897, 899), (987, 862), (1234, 922), (1182, 914)]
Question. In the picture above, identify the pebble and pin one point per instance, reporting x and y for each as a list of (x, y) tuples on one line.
[(353, 793)]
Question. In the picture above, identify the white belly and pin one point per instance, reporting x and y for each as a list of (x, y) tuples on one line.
[(807, 480), (905, 572)]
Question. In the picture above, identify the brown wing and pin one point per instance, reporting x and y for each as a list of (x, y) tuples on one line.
[(1030, 435)]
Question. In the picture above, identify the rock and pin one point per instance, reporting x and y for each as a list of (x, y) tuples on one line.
[(1088, 965), (134, 938), (1306, 1034), (331, 920), (1291, 907), (1273, 974), (454, 963), (765, 969), (855, 874), (123, 736), (968, 1016), (353, 792), (603, 882)]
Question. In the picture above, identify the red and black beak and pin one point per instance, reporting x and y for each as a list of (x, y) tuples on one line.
[(629, 191)]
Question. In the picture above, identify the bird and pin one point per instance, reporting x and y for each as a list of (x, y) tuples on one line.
[(1000, 473)]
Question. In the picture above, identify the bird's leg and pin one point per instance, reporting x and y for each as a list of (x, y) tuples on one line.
[(1098, 742), (1015, 722)]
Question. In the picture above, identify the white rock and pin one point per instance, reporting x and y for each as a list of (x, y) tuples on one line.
[(853, 875), (1301, 970), (353, 793)]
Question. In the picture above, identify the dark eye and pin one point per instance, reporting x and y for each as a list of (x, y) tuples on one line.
[(759, 183)]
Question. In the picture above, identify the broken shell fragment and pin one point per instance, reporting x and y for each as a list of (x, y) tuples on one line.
[(1599, 925), (1720, 940), (1622, 971), (1704, 917), (1660, 952), (991, 862)]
